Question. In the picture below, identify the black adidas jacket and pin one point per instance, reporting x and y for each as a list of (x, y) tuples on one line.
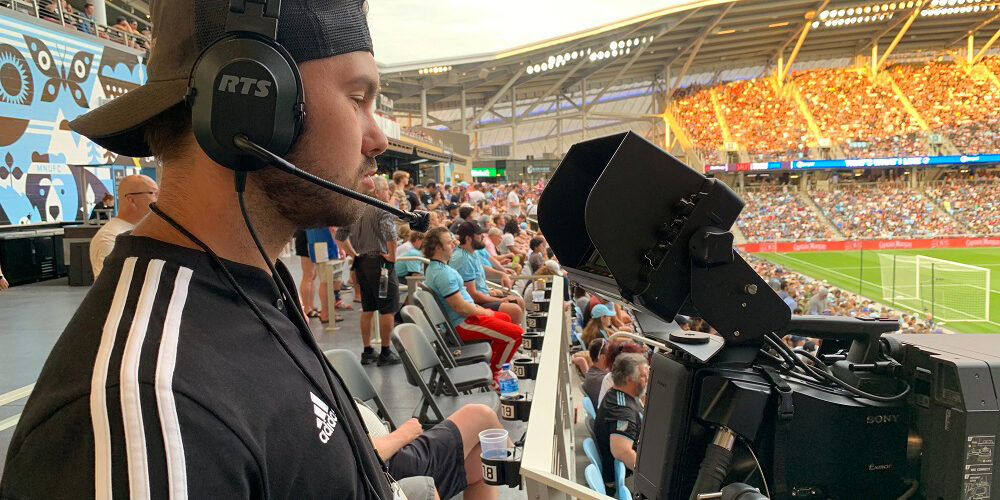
[(165, 385)]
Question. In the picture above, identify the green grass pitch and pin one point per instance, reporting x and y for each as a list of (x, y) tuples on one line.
[(843, 269)]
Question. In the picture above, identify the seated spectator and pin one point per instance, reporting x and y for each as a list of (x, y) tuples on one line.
[(598, 352), (465, 213), (449, 452), (599, 326), (619, 417), (493, 238), (508, 243), (472, 271), (136, 192), (471, 321), (537, 257), (615, 349)]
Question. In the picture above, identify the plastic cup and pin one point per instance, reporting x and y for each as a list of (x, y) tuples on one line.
[(494, 443)]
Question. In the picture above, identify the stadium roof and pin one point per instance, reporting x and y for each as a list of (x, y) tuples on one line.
[(701, 36)]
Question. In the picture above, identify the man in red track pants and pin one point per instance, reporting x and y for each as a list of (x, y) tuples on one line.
[(471, 321)]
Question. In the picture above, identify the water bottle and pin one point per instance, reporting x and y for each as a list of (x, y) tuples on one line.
[(507, 381), (383, 284)]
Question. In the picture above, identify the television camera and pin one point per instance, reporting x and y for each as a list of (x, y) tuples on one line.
[(740, 414)]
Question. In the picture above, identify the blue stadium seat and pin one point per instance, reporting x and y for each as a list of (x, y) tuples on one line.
[(590, 448), (594, 479), (588, 406), (621, 491)]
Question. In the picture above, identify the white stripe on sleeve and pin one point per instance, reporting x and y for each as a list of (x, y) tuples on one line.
[(98, 385), (135, 435), (166, 360)]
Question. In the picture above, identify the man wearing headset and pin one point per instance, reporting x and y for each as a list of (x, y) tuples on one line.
[(187, 372)]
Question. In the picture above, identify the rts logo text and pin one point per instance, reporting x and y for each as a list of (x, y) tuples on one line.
[(243, 85)]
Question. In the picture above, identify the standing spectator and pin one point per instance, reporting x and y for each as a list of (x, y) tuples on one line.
[(475, 195), (316, 239), (619, 417), (375, 233), (817, 303), (472, 322), (400, 179), (99, 211), (513, 203), (89, 22), (136, 193)]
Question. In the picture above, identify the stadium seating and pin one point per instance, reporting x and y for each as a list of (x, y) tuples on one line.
[(976, 204), (883, 212), (773, 214), (866, 117), (766, 124)]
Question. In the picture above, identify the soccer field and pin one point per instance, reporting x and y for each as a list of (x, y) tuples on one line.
[(844, 270)]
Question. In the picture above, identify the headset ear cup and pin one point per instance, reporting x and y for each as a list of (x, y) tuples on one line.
[(245, 84)]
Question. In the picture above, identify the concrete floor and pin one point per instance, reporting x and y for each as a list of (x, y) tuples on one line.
[(33, 316)]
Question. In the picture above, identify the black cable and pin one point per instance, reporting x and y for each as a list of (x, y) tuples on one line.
[(828, 376), (267, 324), (276, 284)]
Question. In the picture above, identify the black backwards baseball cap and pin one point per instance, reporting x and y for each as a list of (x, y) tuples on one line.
[(308, 29), (468, 229)]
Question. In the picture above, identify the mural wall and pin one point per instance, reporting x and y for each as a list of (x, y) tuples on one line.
[(47, 78)]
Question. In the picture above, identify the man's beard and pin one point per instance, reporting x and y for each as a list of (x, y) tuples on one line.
[(307, 205), (478, 245)]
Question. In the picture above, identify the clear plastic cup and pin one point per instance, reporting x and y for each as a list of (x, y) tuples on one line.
[(494, 443)]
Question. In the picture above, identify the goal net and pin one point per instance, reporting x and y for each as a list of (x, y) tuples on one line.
[(950, 291)]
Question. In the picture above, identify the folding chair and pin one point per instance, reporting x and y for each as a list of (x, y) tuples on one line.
[(468, 354), (419, 357), (588, 406), (435, 313), (466, 378), (347, 364)]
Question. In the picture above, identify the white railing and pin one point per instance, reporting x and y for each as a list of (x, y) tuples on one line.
[(548, 466)]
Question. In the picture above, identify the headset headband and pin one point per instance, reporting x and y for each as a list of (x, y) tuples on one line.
[(254, 16)]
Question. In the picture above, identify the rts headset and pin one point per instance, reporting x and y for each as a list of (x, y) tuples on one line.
[(247, 108)]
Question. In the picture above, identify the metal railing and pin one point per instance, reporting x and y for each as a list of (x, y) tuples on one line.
[(52, 11)]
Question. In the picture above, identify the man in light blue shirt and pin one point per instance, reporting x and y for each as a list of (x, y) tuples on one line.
[(470, 268), (471, 322)]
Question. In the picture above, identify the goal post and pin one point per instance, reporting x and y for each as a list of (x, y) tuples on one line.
[(959, 292), (949, 291)]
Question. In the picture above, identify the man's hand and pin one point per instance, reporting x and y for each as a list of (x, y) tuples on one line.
[(498, 294), (410, 430), (506, 282), (3, 284)]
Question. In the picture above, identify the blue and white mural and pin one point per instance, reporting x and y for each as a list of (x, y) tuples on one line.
[(47, 78)]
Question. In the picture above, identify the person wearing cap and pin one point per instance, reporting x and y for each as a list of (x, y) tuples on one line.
[(470, 268), (599, 325), (471, 321), (818, 303), (186, 371), (465, 213)]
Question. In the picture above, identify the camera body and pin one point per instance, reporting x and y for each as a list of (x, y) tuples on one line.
[(811, 443)]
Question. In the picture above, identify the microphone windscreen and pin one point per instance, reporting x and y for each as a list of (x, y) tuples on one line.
[(421, 221)]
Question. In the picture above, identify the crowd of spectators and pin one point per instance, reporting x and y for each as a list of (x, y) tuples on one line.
[(953, 103), (805, 295), (774, 213), (693, 107), (124, 31), (866, 119), (883, 211), (769, 126), (973, 202), (864, 116)]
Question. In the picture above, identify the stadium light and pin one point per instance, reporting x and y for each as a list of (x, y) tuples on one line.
[(434, 70)]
